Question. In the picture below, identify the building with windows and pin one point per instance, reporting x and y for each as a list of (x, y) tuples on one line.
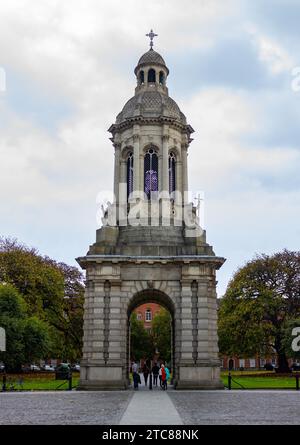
[(146, 312)]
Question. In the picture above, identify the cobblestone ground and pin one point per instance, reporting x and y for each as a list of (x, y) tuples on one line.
[(80, 408), (193, 407), (238, 407)]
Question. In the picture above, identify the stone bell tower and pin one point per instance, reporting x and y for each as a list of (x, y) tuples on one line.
[(151, 246)]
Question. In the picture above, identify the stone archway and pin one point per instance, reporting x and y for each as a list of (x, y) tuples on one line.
[(152, 296)]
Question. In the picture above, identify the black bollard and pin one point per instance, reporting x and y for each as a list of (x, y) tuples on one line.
[(70, 381), (150, 381), (229, 381), (4, 383), (297, 382)]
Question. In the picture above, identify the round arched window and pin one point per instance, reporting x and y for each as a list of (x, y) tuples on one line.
[(161, 78), (129, 174), (150, 172), (142, 77), (172, 170), (151, 75)]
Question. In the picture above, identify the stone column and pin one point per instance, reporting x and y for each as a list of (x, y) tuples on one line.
[(141, 172), (165, 169), (212, 319), (186, 324), (136, 163), (122, 205), (178, 179), (202, 347), (95, 322), (185, 186), (160, 173), (115, 327), (117, 172)]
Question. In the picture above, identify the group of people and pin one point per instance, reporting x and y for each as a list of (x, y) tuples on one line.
[(162, 372)]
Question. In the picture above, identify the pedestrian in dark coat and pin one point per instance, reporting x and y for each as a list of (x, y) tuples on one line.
[(146, 373), (135, 376), (155, 372)]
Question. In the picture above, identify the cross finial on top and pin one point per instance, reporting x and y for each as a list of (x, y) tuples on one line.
[(151, 36)]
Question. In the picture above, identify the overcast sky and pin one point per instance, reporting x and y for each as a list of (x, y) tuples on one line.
[(69, 71)]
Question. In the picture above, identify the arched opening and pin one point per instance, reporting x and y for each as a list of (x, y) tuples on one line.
[(129, 174), (172, 170), (150, 172), (142, 77), (151, 76), (161, 78), (151, 336)]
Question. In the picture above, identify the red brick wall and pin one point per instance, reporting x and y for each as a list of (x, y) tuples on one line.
[(154, 308)]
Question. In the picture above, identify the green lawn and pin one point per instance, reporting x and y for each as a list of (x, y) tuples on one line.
[(259, 380), (262, 381), (33, 382)]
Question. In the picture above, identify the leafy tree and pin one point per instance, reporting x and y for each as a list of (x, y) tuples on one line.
[(27, 338), (53, 292), (141, 345), (161, 332), (36, 339), (260, 299), (288, 338)]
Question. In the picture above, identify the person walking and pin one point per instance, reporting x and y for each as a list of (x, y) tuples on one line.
[(163, 377), (155, 372), (167, 376), (145, 372), (135, 375), (159, 374)]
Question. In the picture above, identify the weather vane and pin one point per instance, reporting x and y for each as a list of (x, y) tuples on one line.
[(151, 36)]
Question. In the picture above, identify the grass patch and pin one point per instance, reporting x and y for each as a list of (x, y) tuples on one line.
[(241, 380), (38, 382), (260, 382)]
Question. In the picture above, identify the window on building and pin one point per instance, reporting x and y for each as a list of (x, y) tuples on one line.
[(242, 363), (151, 75), (142, 77), (129, 174), (262, 362), (172, 168), (139, 316), (252, 363), (151, 172), (148, 315), (161, 78)]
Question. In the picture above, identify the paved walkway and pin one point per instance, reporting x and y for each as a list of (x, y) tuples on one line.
[(151, 408)]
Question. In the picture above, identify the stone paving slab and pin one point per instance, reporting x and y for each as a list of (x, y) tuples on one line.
[(238, 407), (151, 408), (63, 408)]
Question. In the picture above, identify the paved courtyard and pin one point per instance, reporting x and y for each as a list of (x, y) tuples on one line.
[(146, 407)]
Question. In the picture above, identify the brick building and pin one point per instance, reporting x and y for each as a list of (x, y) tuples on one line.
[(146, 312)]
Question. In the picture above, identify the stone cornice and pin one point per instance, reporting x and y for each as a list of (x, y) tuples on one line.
[(137, 259), (186, 128)]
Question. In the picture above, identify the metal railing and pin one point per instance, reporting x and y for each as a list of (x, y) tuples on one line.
[(232, 380)]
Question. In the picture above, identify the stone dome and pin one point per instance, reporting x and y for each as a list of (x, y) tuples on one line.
[(149, 104), (149, 58)]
